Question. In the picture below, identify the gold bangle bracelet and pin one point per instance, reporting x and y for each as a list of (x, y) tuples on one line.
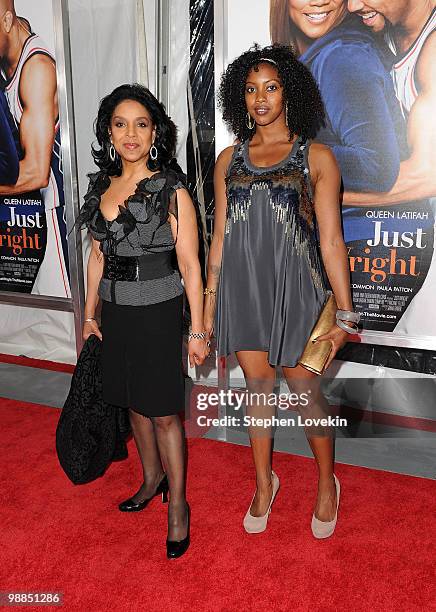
[(208, 291)]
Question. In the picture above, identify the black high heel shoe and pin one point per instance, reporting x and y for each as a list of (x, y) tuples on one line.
[(131, 506), (177, 549)]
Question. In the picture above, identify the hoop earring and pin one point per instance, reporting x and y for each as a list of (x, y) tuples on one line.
[(112, 153), (153, 153), (249, 121)]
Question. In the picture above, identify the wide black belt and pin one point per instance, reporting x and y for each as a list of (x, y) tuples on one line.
[(145, 267)]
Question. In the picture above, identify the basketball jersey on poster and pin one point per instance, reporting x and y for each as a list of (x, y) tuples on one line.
[(404, 70), (53, 194)]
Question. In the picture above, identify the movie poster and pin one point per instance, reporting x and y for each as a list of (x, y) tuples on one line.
[(33, 245), (376, 85)]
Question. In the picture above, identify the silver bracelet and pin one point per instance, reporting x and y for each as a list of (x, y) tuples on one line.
[(196, 336), (342, 316), (89, 319), (348, 315), (347, 328)]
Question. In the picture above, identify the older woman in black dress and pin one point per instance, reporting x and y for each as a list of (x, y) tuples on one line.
[(140, 215)]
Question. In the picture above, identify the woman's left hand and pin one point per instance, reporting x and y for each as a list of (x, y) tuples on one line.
[(337, 337), (198, 350)]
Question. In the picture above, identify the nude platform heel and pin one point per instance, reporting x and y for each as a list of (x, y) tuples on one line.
[(257, 524), (324, 529)]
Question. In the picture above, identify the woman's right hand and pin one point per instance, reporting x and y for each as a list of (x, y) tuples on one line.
[(89, 328)]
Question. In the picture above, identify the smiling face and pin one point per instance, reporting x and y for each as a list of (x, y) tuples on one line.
[(315, 18), (132, 131), (264, 95), (375, 13)]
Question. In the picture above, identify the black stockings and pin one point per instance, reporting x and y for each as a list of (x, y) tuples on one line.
[(161, 446)]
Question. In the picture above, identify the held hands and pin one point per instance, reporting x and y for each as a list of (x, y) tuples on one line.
[(89, 328), (198, 350), (337, 337)]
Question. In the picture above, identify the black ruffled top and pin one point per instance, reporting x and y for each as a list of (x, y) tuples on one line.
[(141, 227)]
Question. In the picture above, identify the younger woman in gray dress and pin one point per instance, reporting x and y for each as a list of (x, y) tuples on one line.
[(266, 272)]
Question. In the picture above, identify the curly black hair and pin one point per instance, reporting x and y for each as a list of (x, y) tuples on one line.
[(305, 108), (166, 131)]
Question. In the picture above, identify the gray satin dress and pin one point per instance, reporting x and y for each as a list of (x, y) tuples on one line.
[(272, 284)]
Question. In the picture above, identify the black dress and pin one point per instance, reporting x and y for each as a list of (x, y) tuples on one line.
[(141, 319)]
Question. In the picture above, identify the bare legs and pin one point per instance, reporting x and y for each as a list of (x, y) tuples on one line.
[(260, 378), (301, 380), (161, 441)]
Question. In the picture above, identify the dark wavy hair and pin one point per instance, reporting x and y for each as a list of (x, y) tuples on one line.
[(166, 131), (305, 108)]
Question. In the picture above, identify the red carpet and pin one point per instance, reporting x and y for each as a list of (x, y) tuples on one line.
[(57, 536), (37, 363)]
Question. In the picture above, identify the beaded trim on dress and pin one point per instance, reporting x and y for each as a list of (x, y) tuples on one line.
[(289, 196)]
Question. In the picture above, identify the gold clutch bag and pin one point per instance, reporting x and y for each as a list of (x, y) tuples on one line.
[(315, 355)]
